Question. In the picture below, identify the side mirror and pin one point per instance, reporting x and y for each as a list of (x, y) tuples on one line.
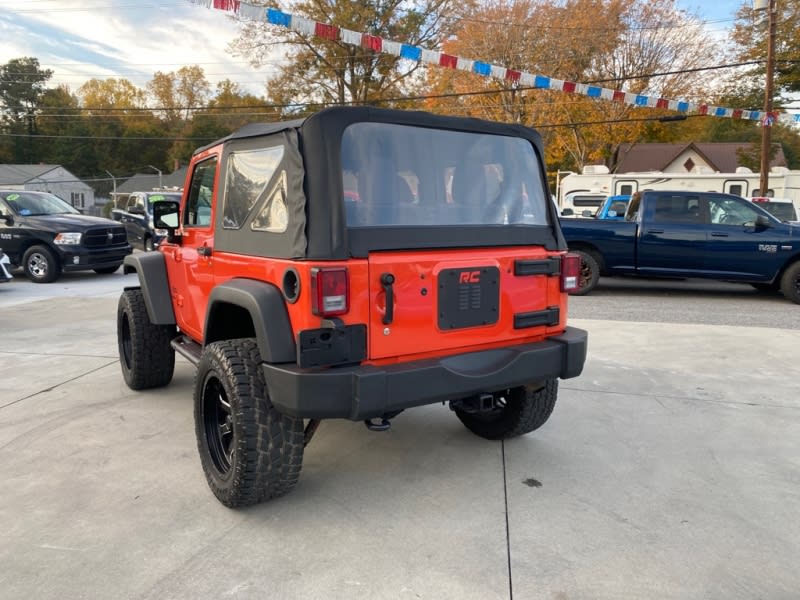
[(166, 216), (762, 222), (567, 212)]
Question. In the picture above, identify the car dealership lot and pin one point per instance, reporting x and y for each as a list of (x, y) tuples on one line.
[(670, 469)]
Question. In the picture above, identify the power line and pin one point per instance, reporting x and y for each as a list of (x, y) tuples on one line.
[(300, 105)]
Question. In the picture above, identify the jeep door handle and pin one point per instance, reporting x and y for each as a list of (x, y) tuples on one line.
[(387, 280), (204, 251), (718, 234)]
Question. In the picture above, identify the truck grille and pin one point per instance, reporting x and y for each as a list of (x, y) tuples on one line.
[(105, 237)]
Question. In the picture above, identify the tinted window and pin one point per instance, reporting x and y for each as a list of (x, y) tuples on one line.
[(412, 176), (247, 178), (677, 209)]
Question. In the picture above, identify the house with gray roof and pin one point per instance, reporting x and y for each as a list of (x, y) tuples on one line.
[(48, 178), (146, 182)]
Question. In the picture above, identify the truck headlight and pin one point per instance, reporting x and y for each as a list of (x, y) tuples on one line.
[(67, 239)]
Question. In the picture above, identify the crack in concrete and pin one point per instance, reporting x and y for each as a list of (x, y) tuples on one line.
[(52, 387)]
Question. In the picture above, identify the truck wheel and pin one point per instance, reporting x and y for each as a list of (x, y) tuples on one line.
[(41, 265), (522, 410), (249, 451), (590, 272), (107, 270), (790, 283), (145, 353)]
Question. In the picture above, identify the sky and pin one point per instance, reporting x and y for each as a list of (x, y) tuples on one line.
[(133, 39)]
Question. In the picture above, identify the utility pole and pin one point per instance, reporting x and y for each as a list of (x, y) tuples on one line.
[(767, 120), (160, 182)]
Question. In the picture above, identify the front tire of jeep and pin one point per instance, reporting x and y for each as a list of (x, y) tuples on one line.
[(41, 265), (145, 353), (522, 410), (249, 451)]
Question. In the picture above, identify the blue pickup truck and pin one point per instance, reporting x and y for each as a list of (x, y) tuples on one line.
[(690, 234)]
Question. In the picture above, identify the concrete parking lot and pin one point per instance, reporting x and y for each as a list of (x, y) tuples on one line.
[(670, 469)]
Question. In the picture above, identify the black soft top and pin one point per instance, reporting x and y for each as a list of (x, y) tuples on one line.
[(319, 145)]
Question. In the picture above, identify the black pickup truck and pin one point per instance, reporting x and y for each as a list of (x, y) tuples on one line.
[(44, 235), (690, 234), (136, 215)]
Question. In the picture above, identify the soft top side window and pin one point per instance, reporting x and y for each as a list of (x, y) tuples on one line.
[(248, 174)]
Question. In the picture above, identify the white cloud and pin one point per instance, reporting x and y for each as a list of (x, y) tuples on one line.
[(119, 38)]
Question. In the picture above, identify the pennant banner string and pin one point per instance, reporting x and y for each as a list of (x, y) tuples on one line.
[(377, 44)]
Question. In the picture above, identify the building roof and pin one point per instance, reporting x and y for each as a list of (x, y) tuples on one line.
[(22, 174), (144, 182), (720, 156)]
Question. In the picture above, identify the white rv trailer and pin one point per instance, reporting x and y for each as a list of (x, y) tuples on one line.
[(596, 183)]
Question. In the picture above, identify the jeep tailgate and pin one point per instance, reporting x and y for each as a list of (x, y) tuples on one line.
[(442, 303)]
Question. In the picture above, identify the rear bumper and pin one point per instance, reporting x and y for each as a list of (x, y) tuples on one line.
[(365, 392)]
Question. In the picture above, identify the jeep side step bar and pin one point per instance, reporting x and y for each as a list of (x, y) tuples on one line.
[(187, 348)]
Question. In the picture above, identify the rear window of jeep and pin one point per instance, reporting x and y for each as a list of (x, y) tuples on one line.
[(413, 176)]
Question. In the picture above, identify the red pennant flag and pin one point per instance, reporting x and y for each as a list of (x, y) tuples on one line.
[(569, 87), (371, 42), (329, 32), (703, 110), (662, 103), (447, 60), (513, 75), (619, 96)]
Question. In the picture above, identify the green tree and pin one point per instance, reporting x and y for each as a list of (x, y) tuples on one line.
[(230, 109), (178, 94), (750, 37), (22, 84)]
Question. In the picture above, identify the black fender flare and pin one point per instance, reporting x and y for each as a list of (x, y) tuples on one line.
[(152, 271), (266, 306)]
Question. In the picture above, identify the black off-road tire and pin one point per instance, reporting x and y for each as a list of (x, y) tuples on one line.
[(41, 265), (107, 270), (790, 283), (249, 451), (526, 409), (589, 274), (145, 354)]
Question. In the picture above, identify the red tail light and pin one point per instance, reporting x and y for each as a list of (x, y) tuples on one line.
[(329, 291), (570, 272)]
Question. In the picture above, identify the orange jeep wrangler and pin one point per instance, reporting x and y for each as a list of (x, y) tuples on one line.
[(351, 265)]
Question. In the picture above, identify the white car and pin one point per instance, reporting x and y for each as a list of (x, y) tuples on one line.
[(781, 208), (4, 266)]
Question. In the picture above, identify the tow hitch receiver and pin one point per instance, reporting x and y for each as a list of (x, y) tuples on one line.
[(475, 404), (383, 425)]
